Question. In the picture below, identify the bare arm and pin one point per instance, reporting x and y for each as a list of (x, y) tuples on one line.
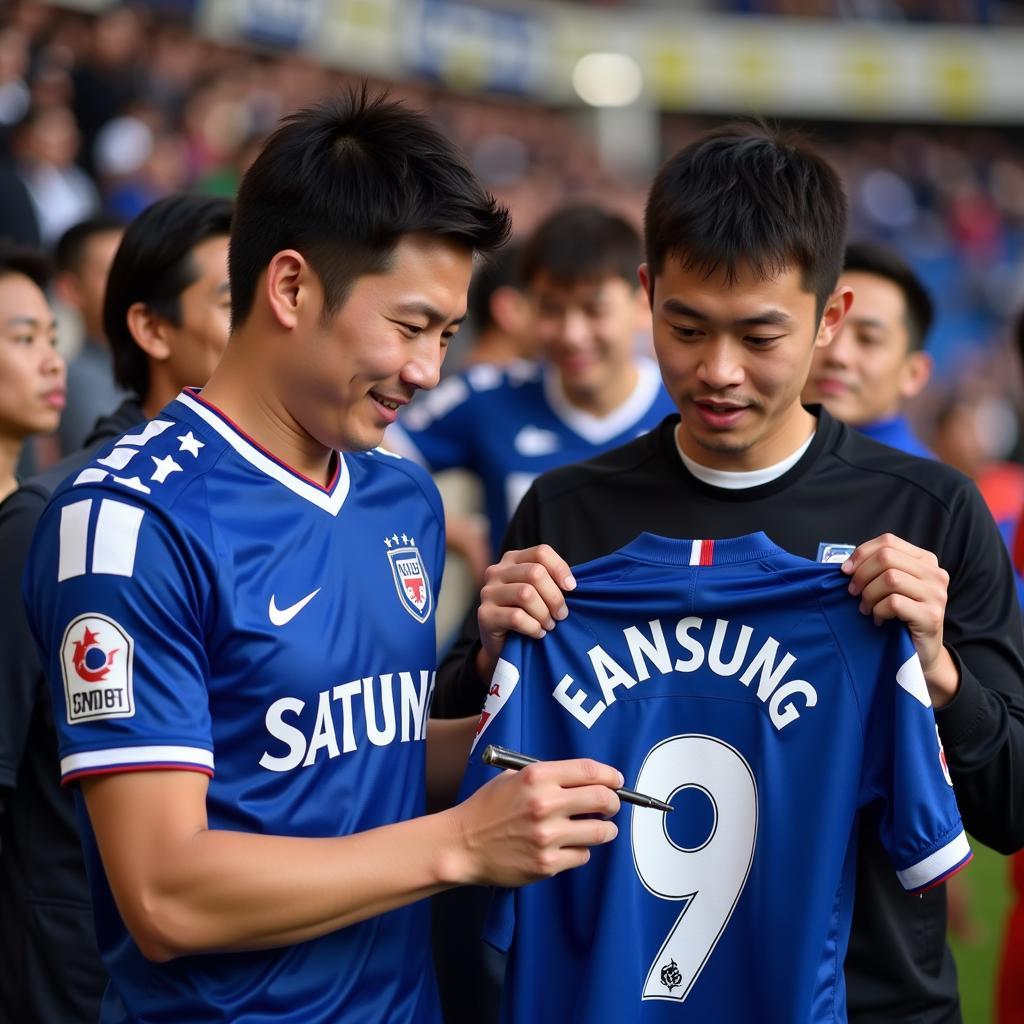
[(448, 743), (184, 888)]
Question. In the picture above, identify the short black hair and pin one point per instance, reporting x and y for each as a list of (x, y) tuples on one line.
[(868, 258), (28, 262), (583, 242), (502, 270), (747, 193), (153, 265), (342, 182), (70, 249)]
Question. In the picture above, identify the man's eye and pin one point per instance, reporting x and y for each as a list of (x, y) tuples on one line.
[(688, 333), (759, 339), (412, 329)]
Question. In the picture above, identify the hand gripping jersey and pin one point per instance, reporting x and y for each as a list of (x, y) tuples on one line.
[(509, 425), (741, 684), (201, 607)]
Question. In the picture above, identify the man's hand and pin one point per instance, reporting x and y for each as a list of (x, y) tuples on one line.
[(896, 580), (524, 826), (522, 593)]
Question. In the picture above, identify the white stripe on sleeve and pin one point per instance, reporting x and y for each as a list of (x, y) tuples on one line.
[(74, 534), (117, 536), (935, 865), (124, 757)]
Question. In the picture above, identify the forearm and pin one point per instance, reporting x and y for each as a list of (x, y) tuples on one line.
[(448, 744), (233, 891), (982, 731)]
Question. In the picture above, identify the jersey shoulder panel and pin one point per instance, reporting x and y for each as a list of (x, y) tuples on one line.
[(606, 468), (933, 480), (383, 461)]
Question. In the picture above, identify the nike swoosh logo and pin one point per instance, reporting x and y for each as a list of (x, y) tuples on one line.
[(282, 616)]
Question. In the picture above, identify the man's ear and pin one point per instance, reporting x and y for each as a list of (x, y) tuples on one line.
[(832, 317), (646, 283), (917, 371), (67, 290), (149, 330), (287, 286)]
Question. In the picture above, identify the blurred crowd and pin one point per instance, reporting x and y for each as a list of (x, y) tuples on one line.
[(105, 114)]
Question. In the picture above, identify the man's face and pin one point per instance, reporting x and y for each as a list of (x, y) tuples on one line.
[(196, 345), (734, 357), (350, 375), (587, 330), (31, 369), (868, 371)]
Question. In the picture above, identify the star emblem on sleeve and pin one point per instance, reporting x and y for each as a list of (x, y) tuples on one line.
[(190, 443), (164, 468)]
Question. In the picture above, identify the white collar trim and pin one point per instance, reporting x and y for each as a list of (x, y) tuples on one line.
[(731, 481), (329, 501), (601, 429)]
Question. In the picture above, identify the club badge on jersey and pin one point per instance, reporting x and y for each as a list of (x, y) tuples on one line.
[(96, 663), (410, 576)]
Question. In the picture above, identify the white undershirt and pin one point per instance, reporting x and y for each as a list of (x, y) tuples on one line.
[(733, 481)]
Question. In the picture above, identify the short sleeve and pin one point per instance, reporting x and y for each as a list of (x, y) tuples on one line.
[(501, 723), (439, 428), (906, 774), (115, 596)]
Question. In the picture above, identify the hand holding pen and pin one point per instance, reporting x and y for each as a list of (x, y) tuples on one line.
[(502, 757)]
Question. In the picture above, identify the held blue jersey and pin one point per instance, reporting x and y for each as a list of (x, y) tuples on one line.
[(508, 425), (201, 607), (742, 685)]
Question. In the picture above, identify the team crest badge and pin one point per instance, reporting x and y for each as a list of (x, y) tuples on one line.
[(96, 663), (410, 575)]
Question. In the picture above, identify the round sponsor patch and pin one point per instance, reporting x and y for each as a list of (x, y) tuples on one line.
[(96, 664)]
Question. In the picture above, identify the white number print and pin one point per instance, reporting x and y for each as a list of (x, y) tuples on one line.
[(710, 877)]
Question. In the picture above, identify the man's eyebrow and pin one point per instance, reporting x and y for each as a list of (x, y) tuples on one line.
[(434, 316), (31, 321), (867, 321), (768, 317)]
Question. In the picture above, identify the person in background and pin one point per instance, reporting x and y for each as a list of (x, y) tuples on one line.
[(32, 373), (877, 360), (166, 315), (499, 315), (82, 258), (589, 391)]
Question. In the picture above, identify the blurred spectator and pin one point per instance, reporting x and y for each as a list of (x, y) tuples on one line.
[(83, 257), (31, 369), (498, 312), (45, 145), (876, 363), (166, 318)]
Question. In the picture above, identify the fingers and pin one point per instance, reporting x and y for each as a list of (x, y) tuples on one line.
[(523, 593)]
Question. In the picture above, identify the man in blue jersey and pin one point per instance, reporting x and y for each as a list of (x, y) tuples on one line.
[(590, 392), (234, 605), (745, 237), (877, 361)]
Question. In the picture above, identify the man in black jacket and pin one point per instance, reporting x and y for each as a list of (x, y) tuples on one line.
[(744, 237), (166, 315)]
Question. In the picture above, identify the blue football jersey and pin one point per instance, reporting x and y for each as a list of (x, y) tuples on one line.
[(742, 685), (509, 425), (200, 606)]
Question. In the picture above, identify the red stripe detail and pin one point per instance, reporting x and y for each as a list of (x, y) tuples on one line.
[(942, 878), (269, 454), (156, 766), (707, 548)]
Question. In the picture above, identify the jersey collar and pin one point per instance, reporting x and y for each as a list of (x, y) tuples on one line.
[(329, 498), (601, 429), (649, 547)]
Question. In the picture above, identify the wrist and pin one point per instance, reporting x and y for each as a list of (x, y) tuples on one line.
[(454, 863), (942, 678), (483, 665)]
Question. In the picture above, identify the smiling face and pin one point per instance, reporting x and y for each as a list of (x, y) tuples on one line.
[(587, 330), (734, 357), (31, 369), (868, 369), (348, 374)]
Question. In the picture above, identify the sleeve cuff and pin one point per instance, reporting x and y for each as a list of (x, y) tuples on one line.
[(135, 759), (937, 866)]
